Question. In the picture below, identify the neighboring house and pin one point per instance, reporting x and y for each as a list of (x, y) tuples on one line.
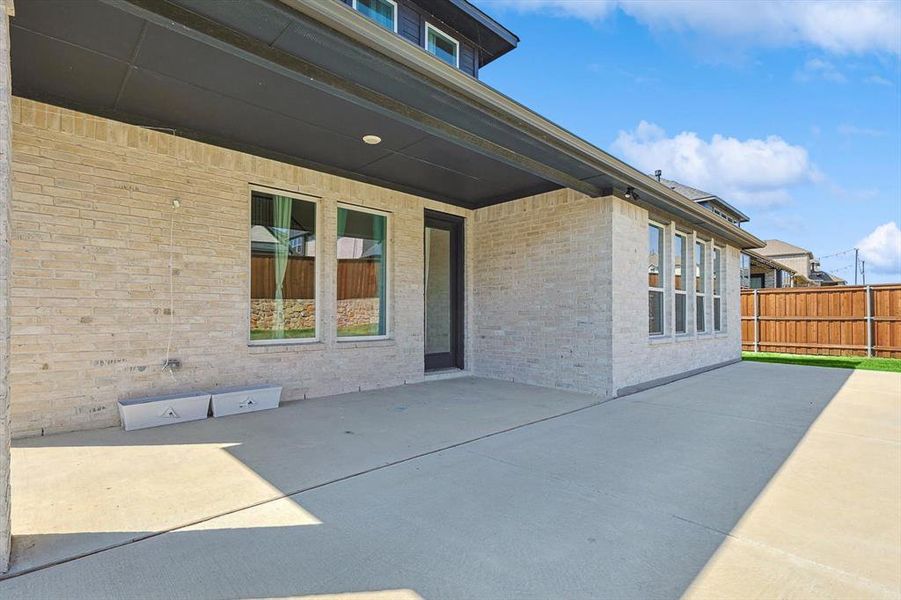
[(711, 202), (210, 194), (801, 261), (777, 265), (760, 272)]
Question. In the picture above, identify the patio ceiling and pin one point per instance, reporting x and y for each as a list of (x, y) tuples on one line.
[(257, 77), (302, 82)]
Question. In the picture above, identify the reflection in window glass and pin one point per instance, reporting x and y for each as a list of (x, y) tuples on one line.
[(380, 11), (655, 280), (362, 273), (717, 282), (442, 46), (680, 252), (282, 268), (700, 285)]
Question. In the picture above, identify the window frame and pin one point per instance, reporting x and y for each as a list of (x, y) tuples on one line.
[(716, 256), (396, 14), (317, 202), (702, 293), (388, 273), (442, 33), (684, 291), (662, 270)]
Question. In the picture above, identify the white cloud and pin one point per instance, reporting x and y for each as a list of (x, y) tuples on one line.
[(752, 172), (815, 69), (846, 129), (837, 26), (882, 249), (877, 80)]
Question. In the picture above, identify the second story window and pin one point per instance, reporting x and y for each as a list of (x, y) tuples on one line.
[(383, 12), (442, 45)]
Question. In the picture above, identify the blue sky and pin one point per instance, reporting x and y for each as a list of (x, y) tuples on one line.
[(789, 110)]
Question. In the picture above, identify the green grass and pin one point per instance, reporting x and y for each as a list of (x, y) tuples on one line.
[(293, 334), (289, 334), (359, 330), (840, 362)]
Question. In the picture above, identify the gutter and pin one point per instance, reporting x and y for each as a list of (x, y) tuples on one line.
[(348, 22)]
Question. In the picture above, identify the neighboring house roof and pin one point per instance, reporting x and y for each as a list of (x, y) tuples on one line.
[(702, 197), (824, 278), (768, 262), (780, 248)]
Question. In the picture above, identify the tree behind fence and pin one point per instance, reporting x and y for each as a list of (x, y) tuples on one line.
[(833, 321)]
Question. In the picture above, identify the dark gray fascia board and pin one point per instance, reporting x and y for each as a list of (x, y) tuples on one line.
[(348, 22)]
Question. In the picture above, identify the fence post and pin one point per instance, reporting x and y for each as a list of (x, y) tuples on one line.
[(869, 292), (756, 323)]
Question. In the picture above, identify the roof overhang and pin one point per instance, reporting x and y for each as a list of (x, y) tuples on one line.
[(494, 39), (768, 262), (302, 82)]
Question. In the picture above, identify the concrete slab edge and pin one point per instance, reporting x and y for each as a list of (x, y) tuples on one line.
[(647, 385)]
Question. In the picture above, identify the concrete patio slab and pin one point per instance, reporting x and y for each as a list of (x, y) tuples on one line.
[(79, 492), (707, 487)]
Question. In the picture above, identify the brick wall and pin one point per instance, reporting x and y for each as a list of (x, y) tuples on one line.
[(92, 218), (5, 147), (556, 284), (639, 358), (543, 316)]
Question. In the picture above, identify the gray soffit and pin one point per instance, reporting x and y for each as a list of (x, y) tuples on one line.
[(302, 82)]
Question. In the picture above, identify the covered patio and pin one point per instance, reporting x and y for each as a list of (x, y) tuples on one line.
[(473, 488)]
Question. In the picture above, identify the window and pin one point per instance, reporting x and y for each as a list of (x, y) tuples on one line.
[(758, 282), (442, 45), (655, 279), (745, 270), (700, 283), (717, 282), (680, 251), (362, 273), (282, 267), (783, 279), (383, 12)]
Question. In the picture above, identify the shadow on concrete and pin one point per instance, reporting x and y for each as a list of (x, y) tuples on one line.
[(630, 498)]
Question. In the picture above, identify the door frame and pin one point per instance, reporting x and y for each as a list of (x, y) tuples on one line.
[(454, 224)]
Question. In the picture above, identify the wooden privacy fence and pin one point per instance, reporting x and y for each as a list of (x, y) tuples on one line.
[(836, 321), (356, 277)]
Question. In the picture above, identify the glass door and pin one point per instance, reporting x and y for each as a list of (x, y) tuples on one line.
[(443, 284)]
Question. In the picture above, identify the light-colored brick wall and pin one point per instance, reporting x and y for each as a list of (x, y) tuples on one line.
[(543, 316), (638, 357), (555, 284), (92, 217), (5, 195)]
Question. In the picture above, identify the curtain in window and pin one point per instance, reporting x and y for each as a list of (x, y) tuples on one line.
[(281, 231)]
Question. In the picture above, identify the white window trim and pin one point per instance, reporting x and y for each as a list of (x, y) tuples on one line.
[(388, 274), (686, 238), (317, 337), (451, 38), (705, 278), (717, 294), (661, 267), (391, 2)]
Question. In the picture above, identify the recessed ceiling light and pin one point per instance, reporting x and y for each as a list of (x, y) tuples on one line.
[(372, 139)]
